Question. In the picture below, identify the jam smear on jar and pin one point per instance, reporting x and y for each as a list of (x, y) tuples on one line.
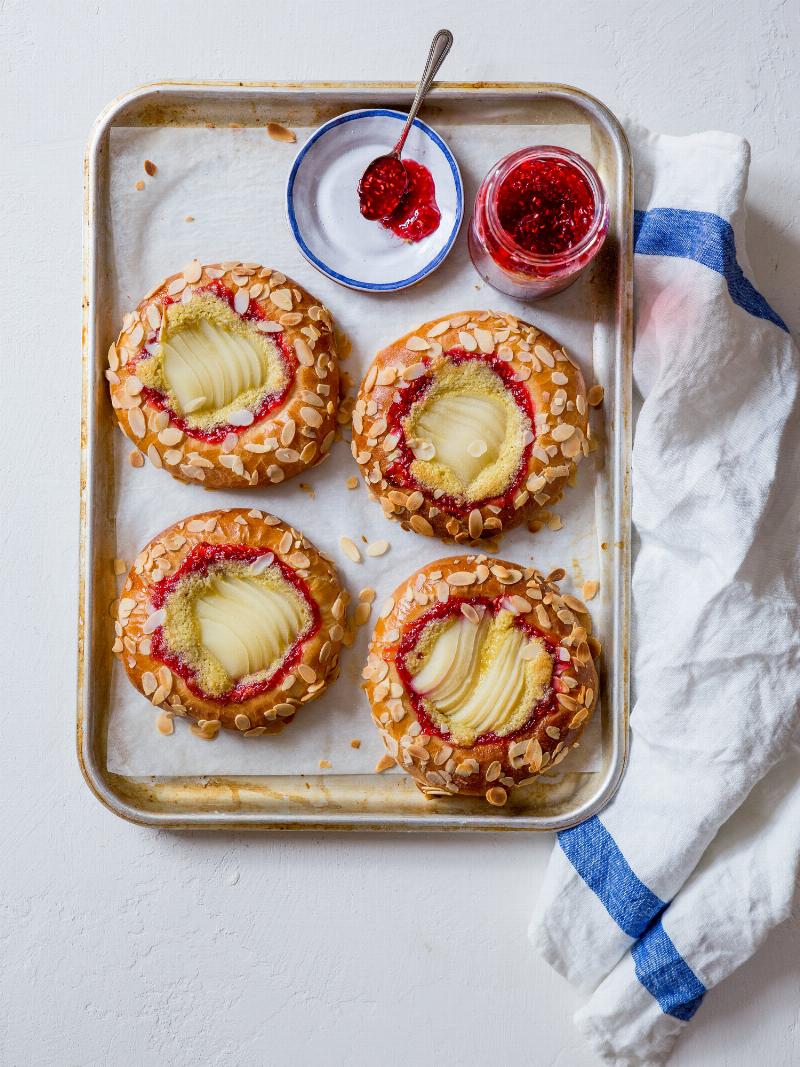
[(417, 215), (546, 206)]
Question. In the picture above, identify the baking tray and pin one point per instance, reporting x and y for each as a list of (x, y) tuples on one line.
[(354, 801)]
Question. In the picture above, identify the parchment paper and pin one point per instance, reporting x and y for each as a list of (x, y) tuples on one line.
[(232, 182)]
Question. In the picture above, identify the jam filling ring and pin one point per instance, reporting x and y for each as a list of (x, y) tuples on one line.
[(231, 617), (470, 425), (226, 375), (481, 675)]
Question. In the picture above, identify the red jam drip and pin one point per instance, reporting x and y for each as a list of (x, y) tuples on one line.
[(400, 470), (546, 206), (198, 561), (268, 404), (417, 215), (411, 638)]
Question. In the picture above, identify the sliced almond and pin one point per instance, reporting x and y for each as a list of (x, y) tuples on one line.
[(417, 344), (461, 578), (590, 590), (278, 132), (350, 549)]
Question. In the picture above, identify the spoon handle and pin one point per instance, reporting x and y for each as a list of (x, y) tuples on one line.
[(440, 46)]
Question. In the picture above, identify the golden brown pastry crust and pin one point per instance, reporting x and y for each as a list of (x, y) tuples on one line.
[(561, 421), (269, 711), (490, 768), (294, 436)]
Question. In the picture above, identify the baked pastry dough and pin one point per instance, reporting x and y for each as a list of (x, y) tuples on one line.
[(469, 425), (227, 375), (231, 617), (480, 675)]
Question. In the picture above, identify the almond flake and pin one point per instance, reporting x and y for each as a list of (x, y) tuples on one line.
[(562, 431), (152, 622), (241, 301), (170, 436), (282, 298), (278, 132), (421, 525), (458, 578), (595, 396), (305, 357), (241, 418), (311, 417), (590, 590), (485, 341), (417, 344), (136, 422), (384, 763), (350, 549), (468, 342), (574, 604), (416, 370), (544, 355), (439, 328), (377, 548)]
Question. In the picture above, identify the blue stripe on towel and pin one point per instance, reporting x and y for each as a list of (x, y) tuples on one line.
[(666, 975), (594, 854), (707, 239)]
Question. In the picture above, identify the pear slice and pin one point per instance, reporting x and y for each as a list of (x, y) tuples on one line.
[(453, 421), (207, 360), (246, 624)]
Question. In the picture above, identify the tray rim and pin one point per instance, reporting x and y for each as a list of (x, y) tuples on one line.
[(98, 780)]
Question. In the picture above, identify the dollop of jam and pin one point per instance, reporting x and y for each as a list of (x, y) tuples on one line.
[(198, 561), (411, 637), (546, 206), (417, 214)]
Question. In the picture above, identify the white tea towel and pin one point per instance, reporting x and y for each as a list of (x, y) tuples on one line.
[(716, 599)]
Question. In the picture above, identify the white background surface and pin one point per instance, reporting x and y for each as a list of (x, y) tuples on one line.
[(123, 946)]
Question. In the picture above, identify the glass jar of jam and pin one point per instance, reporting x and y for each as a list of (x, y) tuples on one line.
[(540, 218)]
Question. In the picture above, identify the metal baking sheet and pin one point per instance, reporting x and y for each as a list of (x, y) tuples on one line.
[(270, 791)]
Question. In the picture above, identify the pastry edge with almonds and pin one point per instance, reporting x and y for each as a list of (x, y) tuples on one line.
[(545, 479), (320, 652), (493, 768), (194, 460)]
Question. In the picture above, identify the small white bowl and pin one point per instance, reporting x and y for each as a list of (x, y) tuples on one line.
[(323, 211)]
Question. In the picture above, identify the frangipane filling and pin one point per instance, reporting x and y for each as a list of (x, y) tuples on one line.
[(479, 676), (465, 431), (233, 625), (213, 366)]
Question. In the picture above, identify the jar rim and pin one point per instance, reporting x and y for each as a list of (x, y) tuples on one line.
[(500, 172)]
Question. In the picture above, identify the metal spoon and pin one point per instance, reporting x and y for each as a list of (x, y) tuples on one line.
[(383, 184)]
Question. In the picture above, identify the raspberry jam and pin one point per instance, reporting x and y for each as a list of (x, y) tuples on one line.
[(540, 218), (416, 215), (410, 640), (382, 187), (198, 561)]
